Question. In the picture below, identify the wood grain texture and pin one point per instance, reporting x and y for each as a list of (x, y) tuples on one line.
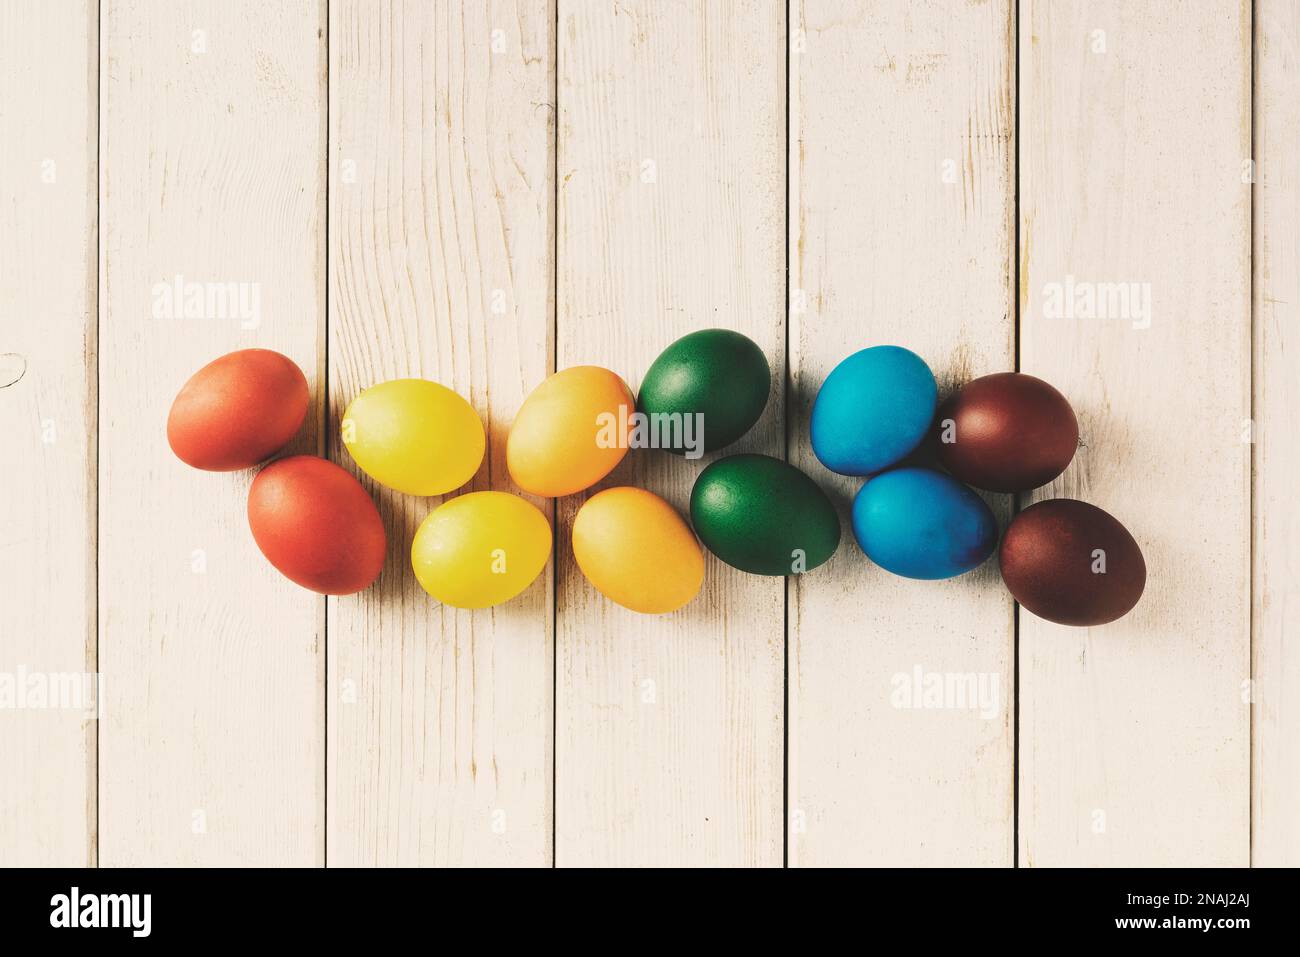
[(901, 226), (212, 748), (479, 197), (1134, 130), (1276, 577), (49, 64), (441, 267), (671, 215)]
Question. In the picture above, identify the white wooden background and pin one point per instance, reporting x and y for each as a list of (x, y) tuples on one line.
[(482, 192)]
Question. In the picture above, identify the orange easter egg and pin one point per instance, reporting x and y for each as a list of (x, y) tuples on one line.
[(637, 550), (570, 432)]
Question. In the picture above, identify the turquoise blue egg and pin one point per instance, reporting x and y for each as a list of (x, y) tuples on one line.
[(919, 523), (873, 409)]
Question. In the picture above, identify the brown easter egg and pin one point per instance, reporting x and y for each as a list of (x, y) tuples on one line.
[(1008, 432), (1072, 563)]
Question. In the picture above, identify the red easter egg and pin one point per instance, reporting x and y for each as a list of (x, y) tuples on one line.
[(315, 523), (238, 410)]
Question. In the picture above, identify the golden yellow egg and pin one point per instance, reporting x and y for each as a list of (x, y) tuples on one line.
[(570, 432), (637, 550)]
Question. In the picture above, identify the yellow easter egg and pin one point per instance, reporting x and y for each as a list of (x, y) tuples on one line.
[(480, 549), (570, 432), (414, 436), (637, 550)]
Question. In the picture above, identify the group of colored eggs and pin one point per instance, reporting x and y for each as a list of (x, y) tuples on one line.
[(315, 523), (1066, 561)]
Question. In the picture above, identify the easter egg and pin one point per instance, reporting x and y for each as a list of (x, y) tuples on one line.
[(570, 432), (715, 377), (873, 409), (763, 516), (315, 523), (238, 410), (480, 549), (1072, 563), (1008, 432), (637, 551), (414, 436), (919, 523)]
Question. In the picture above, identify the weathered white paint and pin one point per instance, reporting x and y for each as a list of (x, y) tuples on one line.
[(901, 226), (441, 267), (1276, 593), (213, 169), (669, 213), (671, 203), (49, 61), (1134, 128)]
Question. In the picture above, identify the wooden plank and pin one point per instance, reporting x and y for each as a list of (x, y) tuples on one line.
[(49, 65), (901, 225), (670, 219), (1276, 578), (1134, 127), (441, 266), (212, 748)]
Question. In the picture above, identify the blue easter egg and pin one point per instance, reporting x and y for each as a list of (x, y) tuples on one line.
[(874, 408), (923, 524)]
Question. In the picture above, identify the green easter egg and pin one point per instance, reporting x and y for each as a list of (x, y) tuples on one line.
[(763, 516), (716, 373)]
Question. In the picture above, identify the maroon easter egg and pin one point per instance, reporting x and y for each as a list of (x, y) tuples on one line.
[(1007, 432), (1072, 563)]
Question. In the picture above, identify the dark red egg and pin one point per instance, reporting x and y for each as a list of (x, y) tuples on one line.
[(1072, 563), (316, 524), (1008, 432)]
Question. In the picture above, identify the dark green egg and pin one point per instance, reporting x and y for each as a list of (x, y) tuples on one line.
[(717, 373), (763, 516)]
